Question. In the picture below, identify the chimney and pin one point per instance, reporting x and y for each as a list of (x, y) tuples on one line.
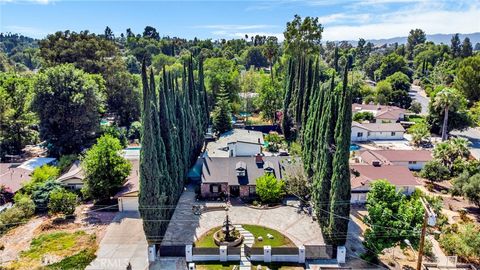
[(258, 159)]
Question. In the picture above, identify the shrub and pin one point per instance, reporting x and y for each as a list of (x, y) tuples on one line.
[(21, 210), (416, 107), (65, 162), (41, 175), (134, 131), (62, 202), (269, 188), (41, 194), (462, 240), (435, 171), (363, 116)]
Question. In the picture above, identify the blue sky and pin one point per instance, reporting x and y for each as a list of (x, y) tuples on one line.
[(342, 19)]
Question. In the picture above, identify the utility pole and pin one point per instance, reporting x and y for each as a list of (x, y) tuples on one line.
[(429, 218)]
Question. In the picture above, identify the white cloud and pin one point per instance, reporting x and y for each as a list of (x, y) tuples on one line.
[(399, 23), (25, 30)]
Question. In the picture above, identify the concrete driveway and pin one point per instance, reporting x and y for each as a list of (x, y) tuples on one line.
[(185, 227), (123, 243)]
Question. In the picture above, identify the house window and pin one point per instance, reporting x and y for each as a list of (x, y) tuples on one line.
[(393, 133), (412, 162), (214, 188), (359, 134), (252, 190)]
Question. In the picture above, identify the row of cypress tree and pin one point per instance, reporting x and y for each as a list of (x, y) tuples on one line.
[(317, 113), (174, 120)]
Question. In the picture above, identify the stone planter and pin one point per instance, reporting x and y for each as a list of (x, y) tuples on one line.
[(234, 243)]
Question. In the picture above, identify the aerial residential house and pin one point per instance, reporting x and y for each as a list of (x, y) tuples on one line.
[(73, 178), (375, 131), (237, 176), (128, 195), (14, 175), (363, 175), (236, 143), (412, 159), (382, 113)]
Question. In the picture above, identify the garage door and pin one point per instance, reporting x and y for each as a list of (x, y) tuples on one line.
[(128, 203)]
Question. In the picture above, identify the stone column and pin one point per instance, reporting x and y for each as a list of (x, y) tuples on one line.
[(152, 253), (188, 253), (301, 254), (267, 254), (223, 253), (341, 254)]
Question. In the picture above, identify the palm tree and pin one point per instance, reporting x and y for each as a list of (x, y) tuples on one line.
[(447, 99), (270, 50)]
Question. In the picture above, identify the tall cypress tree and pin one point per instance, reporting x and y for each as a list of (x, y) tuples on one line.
[(287, 123), (340, 187), (323, 162)]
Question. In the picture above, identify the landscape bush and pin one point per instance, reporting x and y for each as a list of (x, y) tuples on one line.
[(269, 188), (23, 209), (62, 202), (462, 240), (435, 171)]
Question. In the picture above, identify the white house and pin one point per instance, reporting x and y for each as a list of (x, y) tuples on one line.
[(376, 131), (412, 159), (363, 175), (236, 143), (73, 178)]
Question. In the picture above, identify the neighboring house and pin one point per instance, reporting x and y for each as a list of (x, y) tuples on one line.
[(237, 176), (236, 143), (412, 159), (73, 178), (382, 113), (375, 131), (362, 176), (128, 194), (14, 175)]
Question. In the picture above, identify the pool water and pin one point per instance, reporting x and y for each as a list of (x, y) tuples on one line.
[(354, 147)]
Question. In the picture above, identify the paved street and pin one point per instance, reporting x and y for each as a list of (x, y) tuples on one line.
[(123, 243), (473, 135), (418, 94), (185, 227)]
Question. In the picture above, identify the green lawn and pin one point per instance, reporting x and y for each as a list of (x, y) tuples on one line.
[(279, 240), (278, 266), (206, 240)]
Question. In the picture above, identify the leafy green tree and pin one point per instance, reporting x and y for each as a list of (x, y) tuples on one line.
[(68, 102), (455, 46), (383, 91), (420, 132), (467, 48), (303, 36), (221, 72), (416, 107), (390, 64), (151, 32), (372, 64), (161, 60), (449, 100), (105, 170), (39, 176), (116, 132), (254, 57), (41, 194), (16, 117), (363, 116), (415, 37), (62, 202), (135, 130), (23, 209), (399, 81), (297, 183), (468, 186), (435, 171), (271, 50), (269, 188), (468, 78), (462, 240), (392, 217), (221, 116), (269, 99)]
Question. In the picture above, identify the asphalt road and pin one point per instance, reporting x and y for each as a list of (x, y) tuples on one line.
[(473, 135), (418, 94)]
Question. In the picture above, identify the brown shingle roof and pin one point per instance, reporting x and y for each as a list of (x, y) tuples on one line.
[(378, 127), (222, 170), (75, 171), (397, 175), (133, 180), (387, 156)]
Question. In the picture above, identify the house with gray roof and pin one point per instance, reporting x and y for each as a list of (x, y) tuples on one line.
[(374, 131), (237, 176), (236, 143)]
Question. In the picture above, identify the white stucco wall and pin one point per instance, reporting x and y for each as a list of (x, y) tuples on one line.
[(373, 135), (416, 167)]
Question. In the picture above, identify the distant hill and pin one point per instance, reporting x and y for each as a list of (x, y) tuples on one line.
[(436, 38)]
